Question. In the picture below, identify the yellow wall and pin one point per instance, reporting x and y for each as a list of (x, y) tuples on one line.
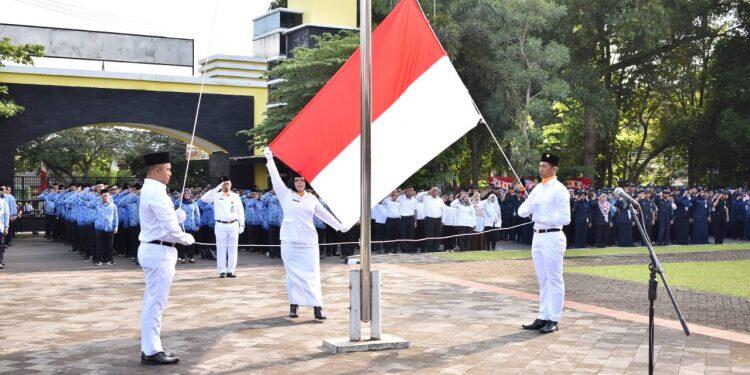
[(327, 12), (261, 175)]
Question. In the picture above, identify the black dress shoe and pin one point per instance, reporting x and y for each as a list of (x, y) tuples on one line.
[(293, 311), (222, 275), (231, 275), (159, 359), (538, 324), (549, 328), (319, 314)]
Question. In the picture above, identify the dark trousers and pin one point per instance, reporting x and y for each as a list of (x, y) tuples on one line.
[(406, 230), (449, 243), (580, 234), (2, 246), (662, 237), (463, 241), (134, 242), (73, 238), (602, 231), (321, 241), (187, 252), (378, 234), (433, 227), (392, 234), (49, 223), (648, 228), (720, 229), (419, 234), (491, 235), (103, 246), (274, 238), (257, 237)]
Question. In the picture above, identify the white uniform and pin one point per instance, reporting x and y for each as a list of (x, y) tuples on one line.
[(158, 223), (549, 207), (299, 241), (229, 213)]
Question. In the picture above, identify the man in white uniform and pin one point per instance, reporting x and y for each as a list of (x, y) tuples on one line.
[(549, 207), (229, 213), (160, 230)]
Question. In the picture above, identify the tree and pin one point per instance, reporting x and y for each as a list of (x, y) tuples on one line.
[(22, 54), (303, 76), (89, 151)]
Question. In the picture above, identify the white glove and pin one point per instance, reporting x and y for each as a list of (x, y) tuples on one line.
[(181, 215), (242, 228), (189, 240), (267, 153)]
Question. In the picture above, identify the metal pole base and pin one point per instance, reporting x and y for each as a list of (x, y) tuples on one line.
[(376, 340)]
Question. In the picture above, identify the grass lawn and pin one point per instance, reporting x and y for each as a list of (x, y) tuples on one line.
[(469, 256), (731, 278)]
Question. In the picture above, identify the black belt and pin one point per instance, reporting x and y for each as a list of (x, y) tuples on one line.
[(547, 230), (226, 222), (162, 243)]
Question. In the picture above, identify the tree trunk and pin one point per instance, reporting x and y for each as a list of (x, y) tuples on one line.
[(589, 147), (474, 144)]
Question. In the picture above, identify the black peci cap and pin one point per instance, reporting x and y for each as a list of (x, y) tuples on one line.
[(549, 158), (156, 158)]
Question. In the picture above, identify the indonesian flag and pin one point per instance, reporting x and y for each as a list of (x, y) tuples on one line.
[(419, 108), (44, 183)]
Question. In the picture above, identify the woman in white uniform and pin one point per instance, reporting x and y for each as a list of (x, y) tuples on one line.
[(492, 220), (299, 241)]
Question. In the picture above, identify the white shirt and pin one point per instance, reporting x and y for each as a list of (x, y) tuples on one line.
[(492, 217), (420, 211), (392, 209), (4, 216), (548, 204), (227, 208), (407, 206), (449, 215), (379, 213), (433, 206), (158, 217), (466, 216), (298, 226)]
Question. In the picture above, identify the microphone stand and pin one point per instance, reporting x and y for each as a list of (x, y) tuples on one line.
[(654, 267)]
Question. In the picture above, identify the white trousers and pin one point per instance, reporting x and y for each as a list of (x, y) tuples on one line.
[(227, 236), (158, 263), (302, 265), (547, 250)]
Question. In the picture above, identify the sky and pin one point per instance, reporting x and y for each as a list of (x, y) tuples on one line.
[(230, 33)]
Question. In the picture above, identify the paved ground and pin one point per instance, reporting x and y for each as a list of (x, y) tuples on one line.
[(60, 315)]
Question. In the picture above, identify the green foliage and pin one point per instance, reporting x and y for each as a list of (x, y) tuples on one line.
[(21, 54), (90, 150), (277, 4), (639, 92), (303, 76)]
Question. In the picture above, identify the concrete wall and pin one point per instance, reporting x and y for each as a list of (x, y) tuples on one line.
[(94, 45)]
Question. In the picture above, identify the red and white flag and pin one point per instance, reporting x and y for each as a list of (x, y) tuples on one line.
[(419, 108)]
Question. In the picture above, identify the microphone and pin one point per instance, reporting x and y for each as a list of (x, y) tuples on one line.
[(622, 194)]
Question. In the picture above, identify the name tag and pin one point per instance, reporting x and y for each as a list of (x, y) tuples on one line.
[(294, 200)]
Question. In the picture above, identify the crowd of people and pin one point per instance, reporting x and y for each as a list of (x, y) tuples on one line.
[(101, 221)]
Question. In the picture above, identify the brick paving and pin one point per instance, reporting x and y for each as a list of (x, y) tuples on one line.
[(60, 315)]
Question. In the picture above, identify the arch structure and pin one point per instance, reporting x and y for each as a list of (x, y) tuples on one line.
[(60, 99)]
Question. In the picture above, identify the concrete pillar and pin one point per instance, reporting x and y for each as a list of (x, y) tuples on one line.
[(218, 165)]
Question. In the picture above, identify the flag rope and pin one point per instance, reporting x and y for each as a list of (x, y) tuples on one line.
[(389, 241), (198, 106)]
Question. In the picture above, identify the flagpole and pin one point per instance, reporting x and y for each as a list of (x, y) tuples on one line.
[(365, 47)]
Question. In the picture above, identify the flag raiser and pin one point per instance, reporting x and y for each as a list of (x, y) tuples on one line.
[(419, 108)]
